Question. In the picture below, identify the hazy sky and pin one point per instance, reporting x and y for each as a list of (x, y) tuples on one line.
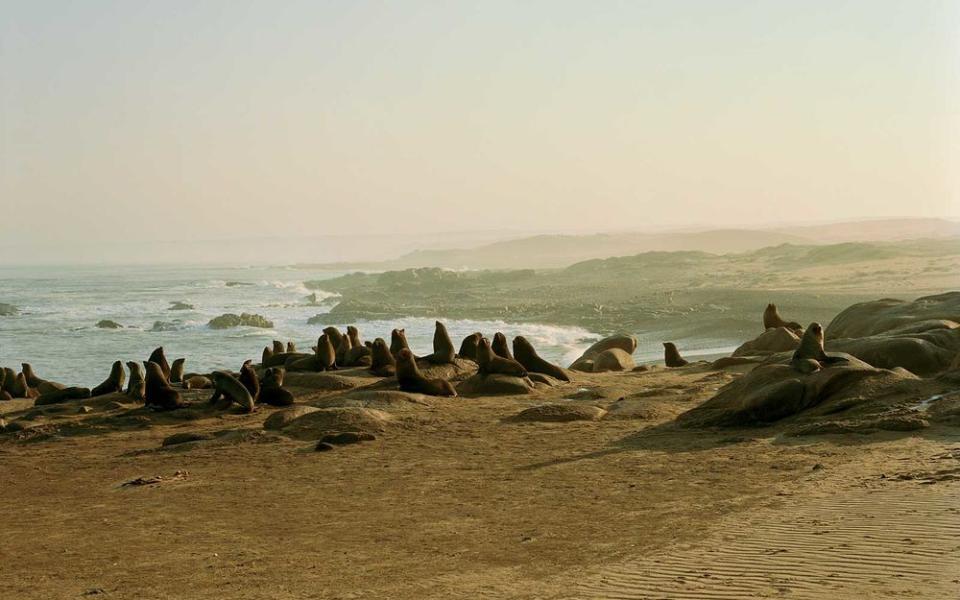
[(175, 120)]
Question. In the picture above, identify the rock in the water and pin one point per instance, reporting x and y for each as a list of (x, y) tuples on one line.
[(282, 418), (771, 341), (180, 306), (613, 359), (8, 310), (495, 385), (228, 320), (625, 343), (560, 413), (166, 326), (108, 324), (183, 438), (316, 424)]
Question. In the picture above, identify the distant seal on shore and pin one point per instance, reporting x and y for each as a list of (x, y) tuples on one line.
[(382, 364), (266, 355), (671, 356), (772, 318), (468, 347), (491, 363), (334, 335), (499, 346), (62, 395), (398, 342), (278, 347), (443, 350), (410, 379), (326, 355), (158, 357), (157, 391), (291, 347), (136, 385), (41, 385), (227, 387), (272, 391), (527, 356), (810, 355), (176, 370), (249, 379), (113, 383)]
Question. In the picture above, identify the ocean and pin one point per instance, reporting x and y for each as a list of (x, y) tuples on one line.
[(56, 330)]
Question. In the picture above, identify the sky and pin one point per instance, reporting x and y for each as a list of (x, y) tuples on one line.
[(167, 121)]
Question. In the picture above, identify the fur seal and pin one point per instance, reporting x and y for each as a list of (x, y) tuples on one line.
[(499, 346), (343, 351), (176, 371), (527, 356), (136, 385), (334, 335), (266, 355), (62, 395), (443, 350), (809, 355), (42, 385), (113, 383), (468, 347), (291, 347), (272, 391), (9, 377), (772, 318), (382, 362), (326, 355), (278, 347), (20, 389), (398, 341), (158, 357), (359, 354), (671, 356), (197, 382), (227, 386), (248, 377), (411, 379), (491, 363), (157, 391)]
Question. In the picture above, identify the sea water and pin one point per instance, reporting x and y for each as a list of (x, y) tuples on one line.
[(56, 330)]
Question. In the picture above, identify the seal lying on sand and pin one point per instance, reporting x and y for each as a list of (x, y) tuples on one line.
[(158, 357), (114, 383), (527, 356), (443, 351), (412, 380), (136, 385), (227, 386), (772, 318), (383, 364), (490, 363), (70, 393), (197, 382), (671, 356), (249, 379), (271, 390), (810, 356), (157, 390), (499, 346), (176, 371), (468, 347), (42, 385)]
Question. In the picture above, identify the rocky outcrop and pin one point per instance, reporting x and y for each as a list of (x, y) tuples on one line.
[(559, 413), (771, 341), (896, 316), (495, 385), (229, 320), (108, 324)]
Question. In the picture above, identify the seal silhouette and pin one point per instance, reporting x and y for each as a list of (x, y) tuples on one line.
[(772, 318), (159, 395), (113, 383), (228, 390), (398, 341), (410, 379), (443, 351), (158, 357), (272, 391), (248, 377), (491, 363), (671, 356), (382, 364), (468, 347), (810, 355), (527, 356), (136, 385), (499, 346)]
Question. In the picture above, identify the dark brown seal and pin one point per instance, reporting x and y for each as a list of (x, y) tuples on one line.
[(412, 380), (490, 363), (443, 350), (272, 391), (278, 347), (810, 355), (333, 334), (227, 387), (266, 355), (468, 347), (249, 379), (383, 364), (398, 341), (527, 356), (671, 356), (343, 351), (176, 370), (159, 394), (499, 346), (291, 347), (114, 383), (326, 355), (41, 385), (772, 318), (158, 357), (136, 385)]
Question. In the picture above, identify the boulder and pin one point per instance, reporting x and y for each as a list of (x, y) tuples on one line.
[(625, 343), (773, 340), (282, 418), (892, 316), (559, 413), (108, 324), (180, 306), (314, 425), (613, 359), (495, 385), (228, 320), (914, 354)]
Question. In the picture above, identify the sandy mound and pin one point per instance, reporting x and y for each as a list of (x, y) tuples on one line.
[(326, 381), (559, 413), (624, 343), (314, 425), (282, 418), (458, 370), (380, 399)]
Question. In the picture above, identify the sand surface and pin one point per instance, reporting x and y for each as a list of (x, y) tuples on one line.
[(455, 500)]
